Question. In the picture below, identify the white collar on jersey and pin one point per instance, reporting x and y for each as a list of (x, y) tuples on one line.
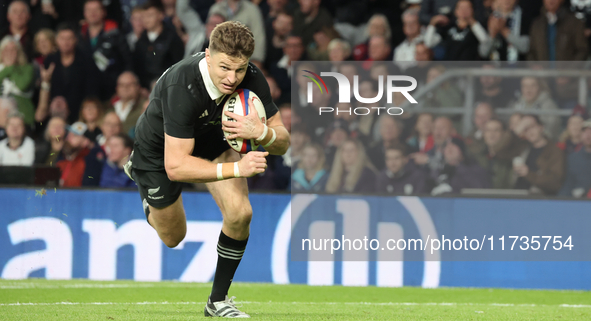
[(212, 90)]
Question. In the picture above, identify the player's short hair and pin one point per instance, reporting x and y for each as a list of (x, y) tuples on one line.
[(232, 38)]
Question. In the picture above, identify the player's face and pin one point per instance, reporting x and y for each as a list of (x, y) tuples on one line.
[(225, 71)]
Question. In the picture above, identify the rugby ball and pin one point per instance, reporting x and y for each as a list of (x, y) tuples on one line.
[(237, 103)]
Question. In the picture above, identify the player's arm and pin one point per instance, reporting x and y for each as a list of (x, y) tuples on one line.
[(181, 166), (273, 136), (279, 144)]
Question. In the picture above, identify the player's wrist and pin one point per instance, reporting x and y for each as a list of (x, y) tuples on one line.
[(263, 134), (228, 170), (269, 137)]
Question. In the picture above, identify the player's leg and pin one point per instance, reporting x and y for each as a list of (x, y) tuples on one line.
[(169, 222), (231, 196), (163, 205)]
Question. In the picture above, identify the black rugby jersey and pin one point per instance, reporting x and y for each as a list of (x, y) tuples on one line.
[(181, 105)]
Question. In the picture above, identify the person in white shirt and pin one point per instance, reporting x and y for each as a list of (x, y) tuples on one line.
[(404, 54), (129, 105), (17, 149)]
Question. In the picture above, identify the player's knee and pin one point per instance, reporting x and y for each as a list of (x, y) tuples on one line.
[(240, 217), (174, 240)]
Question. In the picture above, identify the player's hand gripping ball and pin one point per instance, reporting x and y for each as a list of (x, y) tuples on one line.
[(241, 118)]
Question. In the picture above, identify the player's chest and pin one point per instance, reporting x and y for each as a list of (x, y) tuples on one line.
[(211, 116)]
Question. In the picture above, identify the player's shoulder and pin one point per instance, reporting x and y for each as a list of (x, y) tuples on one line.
[(254, 76), (184, 72)]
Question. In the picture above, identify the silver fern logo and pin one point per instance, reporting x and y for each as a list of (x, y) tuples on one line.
[(153, 191)]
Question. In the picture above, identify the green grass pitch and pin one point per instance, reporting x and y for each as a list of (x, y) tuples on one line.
[(42, 300)]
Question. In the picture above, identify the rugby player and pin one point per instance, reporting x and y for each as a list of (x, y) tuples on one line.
[(180, 138)]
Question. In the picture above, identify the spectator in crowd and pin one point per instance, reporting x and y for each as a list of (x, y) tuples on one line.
[(137, 27), (308, 19), (75, 75), (282, 70), (445, 95), (80, 160), (18, 18), (49, 146), (390, 129), (7, 106), (91, 115), (16, 149), (432, 8), (500, 147), (110, 127), (378, 49), (382, 68), (16, 77), (249, 14), (57, 108), (212, 21), (44, 45), (169, 9), (423, 58), (536, 95), (578, 174), (514, 121), (129, 104), (461, 41), (339, 50), (540, 168), (492, 91), (299, 139), (310, 176), (101, 39), (434, 161), (276, 38), (404, 54), (422, 137), (570, 139), (318, 49), (281, 163), (192, 25), (275, 9), (351, 172), (276, 93), (459, 172), (336, 134), (557, 35), (119, 148), (482, 114), (398, 177), (508, 30), (159, 46), (582, 11), (377, 25)]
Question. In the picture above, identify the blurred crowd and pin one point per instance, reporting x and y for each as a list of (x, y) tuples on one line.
[(75, 76)]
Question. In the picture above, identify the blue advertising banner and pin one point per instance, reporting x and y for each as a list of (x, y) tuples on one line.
[(103, 235)]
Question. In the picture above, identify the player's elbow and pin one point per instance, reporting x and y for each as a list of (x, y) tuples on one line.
[(172, 175), (172, 170)]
